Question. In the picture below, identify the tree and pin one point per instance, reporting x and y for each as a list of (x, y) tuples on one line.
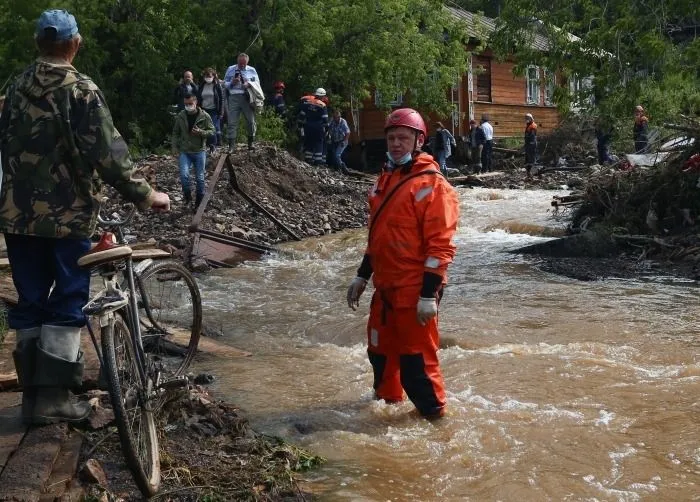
[(626, 46)]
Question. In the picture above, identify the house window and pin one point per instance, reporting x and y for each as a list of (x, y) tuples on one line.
[(396, 99), (550, 81), (532, 78), (482, 67)]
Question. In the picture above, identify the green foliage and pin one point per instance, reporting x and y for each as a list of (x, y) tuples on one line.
[(136, 50), (270, 127), (635, 52)]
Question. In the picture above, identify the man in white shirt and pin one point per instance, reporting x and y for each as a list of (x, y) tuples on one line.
[(237, 79), (487, 151)]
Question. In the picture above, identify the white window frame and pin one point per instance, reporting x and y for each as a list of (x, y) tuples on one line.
[(550, 83), (531, 85), (397, 101)]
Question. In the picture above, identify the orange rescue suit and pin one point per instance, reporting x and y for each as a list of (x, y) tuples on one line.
[(412, 235)]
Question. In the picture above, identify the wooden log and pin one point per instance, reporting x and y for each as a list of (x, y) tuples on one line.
[(27, 471), (64, 468)]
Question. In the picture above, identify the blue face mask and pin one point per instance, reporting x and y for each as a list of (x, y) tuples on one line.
[(405, 159)]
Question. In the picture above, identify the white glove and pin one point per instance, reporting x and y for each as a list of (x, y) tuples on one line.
[(427, 309), (357, 287)]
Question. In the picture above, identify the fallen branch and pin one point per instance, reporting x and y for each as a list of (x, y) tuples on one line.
[(643, 239)]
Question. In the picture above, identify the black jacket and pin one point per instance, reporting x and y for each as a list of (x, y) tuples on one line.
[(181, 91), (219, 102)]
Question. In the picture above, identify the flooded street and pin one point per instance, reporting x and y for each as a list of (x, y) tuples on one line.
[(557, 389)]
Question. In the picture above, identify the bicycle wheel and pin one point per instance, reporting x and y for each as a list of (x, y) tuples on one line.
[(170, 314), (133, 412)]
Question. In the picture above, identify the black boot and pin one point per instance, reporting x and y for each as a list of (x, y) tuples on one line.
[(187, 197), (24, 356), (54, 377), (251, 139), (198, 201)]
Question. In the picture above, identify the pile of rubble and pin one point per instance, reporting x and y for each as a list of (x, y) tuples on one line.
[(309, 200)]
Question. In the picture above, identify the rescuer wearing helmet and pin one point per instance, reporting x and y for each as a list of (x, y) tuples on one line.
[(413, 217), (313, 123), (278, 100)]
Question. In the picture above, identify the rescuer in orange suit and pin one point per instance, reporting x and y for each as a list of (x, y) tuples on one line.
[(413, 217)]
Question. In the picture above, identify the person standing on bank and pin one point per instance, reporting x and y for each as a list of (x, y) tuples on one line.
[(487, 150), (414, 213), (443, 144), (57, 139), (530, 142), (186, 86), (192, 128), (237, 80), (640, 130), (211, 99), (476, 145), (339, 132)]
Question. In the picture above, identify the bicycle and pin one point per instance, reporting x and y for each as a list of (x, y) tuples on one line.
[(137, 330)]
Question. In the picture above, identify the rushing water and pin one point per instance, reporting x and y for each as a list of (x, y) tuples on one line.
[(557, 389)]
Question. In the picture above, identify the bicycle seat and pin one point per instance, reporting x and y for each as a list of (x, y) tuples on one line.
[(106, 251)]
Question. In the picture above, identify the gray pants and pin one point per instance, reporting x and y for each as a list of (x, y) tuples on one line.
[(238, 103)]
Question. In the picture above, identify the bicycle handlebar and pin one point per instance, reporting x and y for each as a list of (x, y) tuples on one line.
[(116, 221)]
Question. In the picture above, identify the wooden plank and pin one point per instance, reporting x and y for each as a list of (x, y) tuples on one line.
[(8, 381), (11, 429), (142, 254), (197, 218), (26, 473), (64, 468)]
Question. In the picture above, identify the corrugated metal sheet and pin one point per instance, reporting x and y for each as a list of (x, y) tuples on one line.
[(479, 26)]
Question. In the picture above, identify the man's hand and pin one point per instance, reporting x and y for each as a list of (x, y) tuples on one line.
[(427, 309), (357, 287), (160, 202), (197, 131)]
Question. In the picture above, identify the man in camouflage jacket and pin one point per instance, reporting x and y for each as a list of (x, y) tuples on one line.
[(57, 142)]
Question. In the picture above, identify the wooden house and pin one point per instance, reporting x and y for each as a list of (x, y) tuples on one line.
[(488, 86)]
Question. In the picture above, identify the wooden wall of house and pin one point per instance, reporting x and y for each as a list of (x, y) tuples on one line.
[(509, 120)]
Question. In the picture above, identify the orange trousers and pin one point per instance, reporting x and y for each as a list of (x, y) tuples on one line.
[(403, 355)]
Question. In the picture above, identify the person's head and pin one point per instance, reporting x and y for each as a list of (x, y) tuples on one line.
[(56, 35), (243, 59), (484, 118), (472, 124), (438, 126), (279, 86), (336, 115), (405, 133), (190, 102), (638, 111), (209, 75), (529, 118), (187, 77), (320, 93)]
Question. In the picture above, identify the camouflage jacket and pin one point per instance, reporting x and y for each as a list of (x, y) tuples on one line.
[(58, 143)]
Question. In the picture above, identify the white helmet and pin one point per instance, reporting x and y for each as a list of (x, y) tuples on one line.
[(320, 92)]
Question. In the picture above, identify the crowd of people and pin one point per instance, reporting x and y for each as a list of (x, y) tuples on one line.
[(323, 133)]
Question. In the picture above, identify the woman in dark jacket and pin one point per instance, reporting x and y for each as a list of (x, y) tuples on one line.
[(211, 100)]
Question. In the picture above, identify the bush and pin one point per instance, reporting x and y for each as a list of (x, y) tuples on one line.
[(270, 127)]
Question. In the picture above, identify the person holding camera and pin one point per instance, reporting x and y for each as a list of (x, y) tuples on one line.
[(237, 80)]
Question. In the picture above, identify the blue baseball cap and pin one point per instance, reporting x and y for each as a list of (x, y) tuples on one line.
[(60, 21)]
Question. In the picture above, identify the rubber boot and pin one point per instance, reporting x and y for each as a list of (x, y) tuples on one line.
[(59, 368), (25, 364), (198, 201), (187, 197), (250, 143)]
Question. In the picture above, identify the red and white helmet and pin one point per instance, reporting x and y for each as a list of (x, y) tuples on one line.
[(406, 117)]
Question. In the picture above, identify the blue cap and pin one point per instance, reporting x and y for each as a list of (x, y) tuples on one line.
[(60, 20)]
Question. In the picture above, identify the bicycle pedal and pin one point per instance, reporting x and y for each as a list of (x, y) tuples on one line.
[(105, 303), (174, 383)]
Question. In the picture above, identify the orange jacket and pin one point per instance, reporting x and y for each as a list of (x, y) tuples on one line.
[(413, 233)]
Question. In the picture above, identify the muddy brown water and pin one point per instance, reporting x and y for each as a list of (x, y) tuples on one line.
[(557, 389)]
